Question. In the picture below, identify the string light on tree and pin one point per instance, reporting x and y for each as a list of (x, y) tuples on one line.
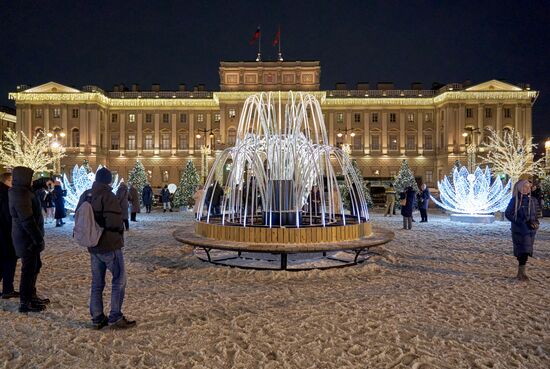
[(188, 185)]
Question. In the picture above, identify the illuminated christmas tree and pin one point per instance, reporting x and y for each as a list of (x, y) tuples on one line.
[(188, 185), (405, 178), (138, 177)]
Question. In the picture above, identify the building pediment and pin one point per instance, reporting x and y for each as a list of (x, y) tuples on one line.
[(494, 85), (52, 87)]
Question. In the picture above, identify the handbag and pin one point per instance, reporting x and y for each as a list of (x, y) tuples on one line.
[(533, 224), (403, 202)]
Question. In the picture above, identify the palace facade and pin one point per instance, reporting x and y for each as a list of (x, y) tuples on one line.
[(164, 129)]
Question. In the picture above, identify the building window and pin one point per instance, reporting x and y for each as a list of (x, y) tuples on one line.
[(199, 141), (38, 113), (183, 118), (131, 141), (411, 142), (374, 117), (75, 137), (428, 117), (148, 141), (375, 142), (428, 176), (469, 113), (56, 112), (357, 118), (115, 142), (488, 113), (339, 117), (131, 118), (148, 118), (114, 118), (165, 141), (410, 117), (393, 117), (165, 118), (232, 113), (507, 113), (394, 143), (200, 117), (217, 117), (182, 141), (75, 113), (358, 142), (231, 136), (428, 142)]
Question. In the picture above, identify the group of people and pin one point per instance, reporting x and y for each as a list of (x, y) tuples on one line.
[(51, 195), (409, 199)]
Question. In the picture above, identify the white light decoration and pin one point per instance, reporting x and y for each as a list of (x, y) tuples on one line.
[(81, 181), (473, 193)]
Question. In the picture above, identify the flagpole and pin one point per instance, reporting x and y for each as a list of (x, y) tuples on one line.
[(280, 54), (259, 57)]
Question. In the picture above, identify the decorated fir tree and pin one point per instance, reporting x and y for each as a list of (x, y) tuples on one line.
[(545, 188), (138, 177), (187, 187), (405, 178)]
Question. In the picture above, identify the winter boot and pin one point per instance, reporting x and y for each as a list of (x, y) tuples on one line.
[(521, 274), (31, 308)]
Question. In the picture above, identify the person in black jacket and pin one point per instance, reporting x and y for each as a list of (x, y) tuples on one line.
[(407, 208), (107, 254), (424, 202), (59, 200), (8, 259), (28, 237)]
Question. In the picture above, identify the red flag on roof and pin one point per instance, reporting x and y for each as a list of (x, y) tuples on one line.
[(277, 37), (256, 36)]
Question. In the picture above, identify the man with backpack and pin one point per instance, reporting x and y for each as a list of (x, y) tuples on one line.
[(107, 253)]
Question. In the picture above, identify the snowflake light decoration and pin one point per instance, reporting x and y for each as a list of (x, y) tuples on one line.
[(473, 193), (81, 181)]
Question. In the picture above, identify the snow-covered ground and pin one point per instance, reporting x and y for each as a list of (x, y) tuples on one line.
[(439, 296)]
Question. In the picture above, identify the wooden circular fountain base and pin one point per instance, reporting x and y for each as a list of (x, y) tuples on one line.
[(278, 254)]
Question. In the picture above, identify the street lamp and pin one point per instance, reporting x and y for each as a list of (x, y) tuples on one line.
[(55, 138), (346, 146), (205, 150), (471, 149)]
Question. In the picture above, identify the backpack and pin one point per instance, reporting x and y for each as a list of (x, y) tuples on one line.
[(86, 231)]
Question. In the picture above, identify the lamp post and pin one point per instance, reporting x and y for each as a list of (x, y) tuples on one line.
[(471, 149), (346, 146), (56, 146), (205, 151)]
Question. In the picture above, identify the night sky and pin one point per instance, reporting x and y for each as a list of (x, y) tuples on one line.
[(170, 42)]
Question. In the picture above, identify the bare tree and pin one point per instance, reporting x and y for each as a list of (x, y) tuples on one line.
[(16, 149), (511, 154)]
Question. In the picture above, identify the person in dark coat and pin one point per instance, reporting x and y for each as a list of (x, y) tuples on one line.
[(522, 212), (147, 197), (133, 197), (107, 254), (122, 196), (48, 199), (424, 202), (408, 206), (59, 201), (165, 198), (28, 237), (8, 258), (41, 193), (213, 199)]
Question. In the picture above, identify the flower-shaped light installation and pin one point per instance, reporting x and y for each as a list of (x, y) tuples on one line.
[(473, 193), (81, 181)]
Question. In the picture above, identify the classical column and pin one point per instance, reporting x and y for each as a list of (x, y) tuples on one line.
[(331, 128), (191, 133), (460, 127), (93, 130), (479, 123), (139, 133), (64, 117), (366, 135), (122, 134), (420, 132), (223, 117), (384, 132), (499, 117), (528, 122), (156, 133), (402, 130), (174, 134), (517, 113), (83, 129), (46, 115), (28, 123)]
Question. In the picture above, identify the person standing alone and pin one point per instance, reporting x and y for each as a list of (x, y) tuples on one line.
[(107, 254), (406, 199), (390, 201), (59, 201), (147, 197), (165, 198), (122, 196), (8, 258), (424, 202), (133, 197), (522, 213)]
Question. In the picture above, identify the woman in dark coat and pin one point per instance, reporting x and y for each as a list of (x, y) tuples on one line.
[(147, 197), (59, 201), (28, 236), (522, 212), (165, 198), (8, 259), (122, 196), (407, 208), (133, 197)]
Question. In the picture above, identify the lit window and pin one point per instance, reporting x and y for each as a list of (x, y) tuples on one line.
[(182, 141), (183, 118), (38, 113), (131, 118), (488, 112), (339, 117), (374, 117), (469, 113), (428, 177), (232, 113), (56, 112), (148, 141), (165, 118), (394, 143), (75, 113), (165, 141), (131, 141), (231, 136), (357, 118), (393, 117), (75, 137), (375, 142), (200, 118), (217, 117), (114, 118), (165, 176), (148, 118), (410, 117), (507, 113), (357, 142), (411, 142), (428, 142), (115, 142), (428, 117)]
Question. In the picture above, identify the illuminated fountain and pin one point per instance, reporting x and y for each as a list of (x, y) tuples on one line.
[(473, 197), (81, 181), (280, 189)]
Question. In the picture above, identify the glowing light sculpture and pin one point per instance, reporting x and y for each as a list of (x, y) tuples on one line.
[(473, 193), (81, 181)]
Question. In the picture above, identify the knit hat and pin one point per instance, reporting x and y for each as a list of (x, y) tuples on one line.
[(104, 176)]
